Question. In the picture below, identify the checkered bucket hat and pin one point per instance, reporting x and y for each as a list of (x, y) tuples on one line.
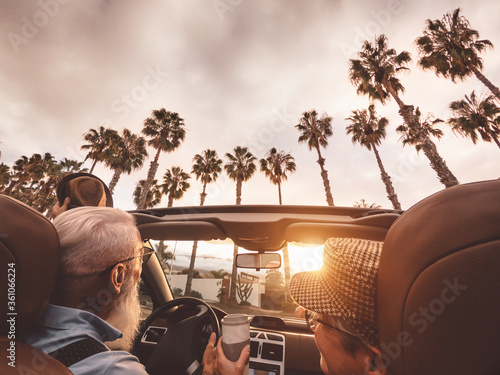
[(345, 286)]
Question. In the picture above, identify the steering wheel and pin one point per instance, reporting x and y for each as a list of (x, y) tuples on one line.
[(180, 349)]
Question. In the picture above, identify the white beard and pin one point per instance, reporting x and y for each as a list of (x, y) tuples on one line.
[(125, 317)]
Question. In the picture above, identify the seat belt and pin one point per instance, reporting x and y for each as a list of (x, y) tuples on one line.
[(77, 351)]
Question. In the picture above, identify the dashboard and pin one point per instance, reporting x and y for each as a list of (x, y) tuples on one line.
[(277, 346), (267, 353)]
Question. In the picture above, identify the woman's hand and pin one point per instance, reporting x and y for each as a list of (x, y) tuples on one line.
[(225, 366), (210, 357), (57, 210)]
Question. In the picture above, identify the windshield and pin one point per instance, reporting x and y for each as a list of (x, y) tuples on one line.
[(261, 292)]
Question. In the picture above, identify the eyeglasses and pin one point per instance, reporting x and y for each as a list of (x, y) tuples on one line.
[(313, 320), (145, 256)]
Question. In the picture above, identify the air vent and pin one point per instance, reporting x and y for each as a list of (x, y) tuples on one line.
[(254, 349)]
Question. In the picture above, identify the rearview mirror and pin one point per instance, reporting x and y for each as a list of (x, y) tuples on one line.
[(258, 260)]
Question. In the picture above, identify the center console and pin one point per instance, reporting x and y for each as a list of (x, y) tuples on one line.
[(267, 353)]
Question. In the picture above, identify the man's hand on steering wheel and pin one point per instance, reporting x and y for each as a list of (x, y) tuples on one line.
[(179, 350)]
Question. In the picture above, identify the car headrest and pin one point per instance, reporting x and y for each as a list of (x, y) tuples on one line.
[(438, 284), (29, 257)]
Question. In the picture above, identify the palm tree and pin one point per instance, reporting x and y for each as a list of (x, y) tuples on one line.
[(175, 184), (18, 177), (125, 154), (364, 204), (475, 117), (55, 172), (34, 173), (165, 257), (206, 168), (275, 166), (451, 48), (38, 167), (166, 131), (219, 274), (153, 197), (4, 176), (240, 168), (98, 141), (374, 74), (71, 166), (315, 131), (46, 195), (417, 138), (368, 130)]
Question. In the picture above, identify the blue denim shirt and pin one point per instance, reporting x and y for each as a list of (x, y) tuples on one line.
[(60, 326)]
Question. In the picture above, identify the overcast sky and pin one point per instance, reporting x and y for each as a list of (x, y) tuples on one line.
[(239, 72)]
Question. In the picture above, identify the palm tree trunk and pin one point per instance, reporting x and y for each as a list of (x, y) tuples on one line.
[(480, 76), (189, 280), (170, 200), (326, 181), (495, 139), (9, 189), (234, 275), (114, 180), (279, 193), (437, 162), (153, 167), (93, 166), (391, 194), (234, 272), (203, 194), (44, 194), (239, 184), (286, 265)]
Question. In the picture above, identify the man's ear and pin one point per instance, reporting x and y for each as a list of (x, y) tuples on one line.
[(117, 277), (374, 365)]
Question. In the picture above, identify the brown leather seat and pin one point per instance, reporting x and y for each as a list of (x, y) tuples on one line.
[(439, 284), (29, 257)]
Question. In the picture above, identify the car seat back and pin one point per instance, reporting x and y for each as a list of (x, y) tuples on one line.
[(439, 282), (29, 257)]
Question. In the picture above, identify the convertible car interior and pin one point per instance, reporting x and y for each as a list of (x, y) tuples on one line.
[(437, 288)]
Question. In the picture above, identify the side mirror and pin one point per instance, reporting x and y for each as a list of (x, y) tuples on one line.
[(258, 260)]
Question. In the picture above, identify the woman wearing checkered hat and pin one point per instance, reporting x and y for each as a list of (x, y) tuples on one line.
[(340, 307)]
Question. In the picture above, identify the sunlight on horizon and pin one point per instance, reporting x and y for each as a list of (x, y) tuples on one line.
[(215, 256)]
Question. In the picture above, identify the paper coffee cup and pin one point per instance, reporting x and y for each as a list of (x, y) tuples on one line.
[(235, 336)]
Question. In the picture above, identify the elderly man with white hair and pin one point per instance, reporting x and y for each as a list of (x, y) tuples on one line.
[(95, 305)]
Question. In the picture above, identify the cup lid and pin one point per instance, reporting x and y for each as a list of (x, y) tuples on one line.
[(235, 319)]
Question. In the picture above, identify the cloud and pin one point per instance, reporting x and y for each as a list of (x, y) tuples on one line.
[(240, 79)]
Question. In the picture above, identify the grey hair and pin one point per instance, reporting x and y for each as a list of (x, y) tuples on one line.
[(352, 341), (94, 238)]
